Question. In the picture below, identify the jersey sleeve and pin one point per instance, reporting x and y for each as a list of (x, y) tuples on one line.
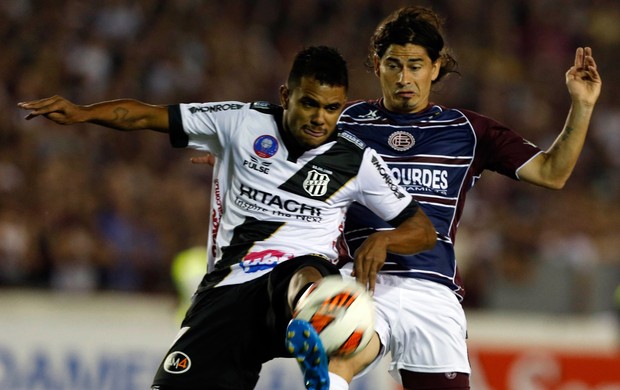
[(380, 192), (205, 126), (500, 149)]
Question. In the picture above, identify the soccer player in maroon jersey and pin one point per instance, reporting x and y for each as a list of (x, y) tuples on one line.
[(437, 153)]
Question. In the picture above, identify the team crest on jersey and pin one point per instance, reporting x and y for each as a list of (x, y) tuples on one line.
[(177, 362), (401, 141), (266, 146), (316, 183)]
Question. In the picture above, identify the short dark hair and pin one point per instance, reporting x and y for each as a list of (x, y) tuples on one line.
[(417, 25), (323, 63)]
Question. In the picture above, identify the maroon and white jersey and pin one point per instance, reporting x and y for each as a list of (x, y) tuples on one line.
[(436, 155), (273, 201)]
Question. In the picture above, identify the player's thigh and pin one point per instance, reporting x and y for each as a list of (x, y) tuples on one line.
[(280, 278), (427, 327), (223, 341), (349, 367)]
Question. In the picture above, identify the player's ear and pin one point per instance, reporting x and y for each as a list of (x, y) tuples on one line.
[(436, 68), (284, 95), (376, 61)]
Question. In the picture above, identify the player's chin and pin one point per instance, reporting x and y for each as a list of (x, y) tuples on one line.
[(314, 141), (406, 105)]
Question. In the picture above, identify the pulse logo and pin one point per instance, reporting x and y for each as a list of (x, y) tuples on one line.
[(177, 363), (256, 165)]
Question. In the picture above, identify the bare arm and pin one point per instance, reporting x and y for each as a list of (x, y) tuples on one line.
[(416, 234), (553, 167), (123, 114), (206, 158)]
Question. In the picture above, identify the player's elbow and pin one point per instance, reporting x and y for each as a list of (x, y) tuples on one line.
[(558, 185), (549, 181), (547, 171), (555, 183), (431, 239)]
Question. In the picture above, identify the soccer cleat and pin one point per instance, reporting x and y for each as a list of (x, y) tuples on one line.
[(303, 342)]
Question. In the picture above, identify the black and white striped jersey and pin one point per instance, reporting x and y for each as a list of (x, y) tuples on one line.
[(272, 201)]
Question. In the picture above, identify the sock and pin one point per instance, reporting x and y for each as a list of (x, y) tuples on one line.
[(337, 382)]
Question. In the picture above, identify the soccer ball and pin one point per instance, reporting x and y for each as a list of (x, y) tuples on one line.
[(341, 311)]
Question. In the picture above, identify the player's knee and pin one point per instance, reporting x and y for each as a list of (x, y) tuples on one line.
[(305, 275), (300, 282), (348, 367)]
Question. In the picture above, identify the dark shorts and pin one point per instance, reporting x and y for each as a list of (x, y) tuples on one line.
[(230, 331)]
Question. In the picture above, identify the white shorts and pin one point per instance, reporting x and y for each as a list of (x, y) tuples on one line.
[(421, 323)]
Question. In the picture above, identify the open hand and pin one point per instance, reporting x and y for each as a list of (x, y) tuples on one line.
[(55, 108)]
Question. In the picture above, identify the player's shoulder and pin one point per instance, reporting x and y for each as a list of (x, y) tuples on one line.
[(264, 107), (480, 122), (344, 154), (213, 107), (360, 108), (351, 141), (463, 112), (362, 113)]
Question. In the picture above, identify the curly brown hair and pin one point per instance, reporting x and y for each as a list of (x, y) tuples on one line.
[(417, 25)]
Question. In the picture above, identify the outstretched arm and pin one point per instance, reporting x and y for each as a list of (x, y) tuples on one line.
[(415, 234), (123, 114), (553, 167)]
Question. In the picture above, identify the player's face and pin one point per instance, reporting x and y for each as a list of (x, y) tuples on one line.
[(406, 73), (312, 110)]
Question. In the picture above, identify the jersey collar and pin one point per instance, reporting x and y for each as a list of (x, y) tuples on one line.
[(431, 111)]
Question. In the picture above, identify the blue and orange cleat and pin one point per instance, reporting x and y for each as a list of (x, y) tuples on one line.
[(304, 343)]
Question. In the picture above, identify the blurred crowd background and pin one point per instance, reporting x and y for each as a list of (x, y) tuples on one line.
[(87, 209)]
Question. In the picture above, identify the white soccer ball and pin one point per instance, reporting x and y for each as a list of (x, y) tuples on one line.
[(341, 311)]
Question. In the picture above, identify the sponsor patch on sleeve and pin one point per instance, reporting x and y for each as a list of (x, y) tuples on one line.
[(353, 139)]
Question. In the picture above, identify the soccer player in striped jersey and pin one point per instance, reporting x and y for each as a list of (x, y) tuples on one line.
[(283, 180), (437, 153)]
